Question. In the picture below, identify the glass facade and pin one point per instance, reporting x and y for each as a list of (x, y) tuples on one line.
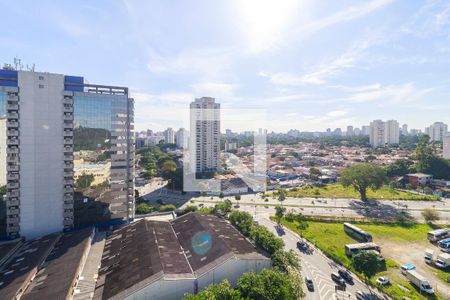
[(101, 158)]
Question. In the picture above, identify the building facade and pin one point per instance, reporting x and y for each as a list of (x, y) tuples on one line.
[(446, 147), (384, 133), (52, 122), (205, 135), (437, 131), (182, 138), (169, 136)]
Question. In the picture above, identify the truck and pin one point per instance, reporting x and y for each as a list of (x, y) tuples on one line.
[(428, 257), (419, 281), (443, 260)]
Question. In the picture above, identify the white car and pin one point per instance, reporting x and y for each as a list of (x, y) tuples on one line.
[(383, 280)]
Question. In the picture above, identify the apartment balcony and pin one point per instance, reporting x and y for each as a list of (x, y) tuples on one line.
[(68, 125), (13, 133), (12, 115), (68, 214), (68, 109), (68, 149), (68, 117), (68, 167), (68, 157), (11, 106), (12, 124), (68, 182), (10, 168), (12, 159), (12, 211), (12, 185), (68, 206), (12, 150), (12, 203), (12, 229), (13, 194), (68, 173), (68, 133), (119, 163), (68, 190), (68, 198), (13, 142), (68, 222), (12, 176), (68, 141), (67, 100), (13, 98)]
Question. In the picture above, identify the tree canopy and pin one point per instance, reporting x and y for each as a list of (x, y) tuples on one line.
[(367, 263), (363, 176), (242, 220)]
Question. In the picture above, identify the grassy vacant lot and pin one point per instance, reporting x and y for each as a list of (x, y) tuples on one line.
[(338, 191), (331, 238)]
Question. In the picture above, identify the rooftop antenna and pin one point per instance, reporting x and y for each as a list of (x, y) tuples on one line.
[(18, 63)]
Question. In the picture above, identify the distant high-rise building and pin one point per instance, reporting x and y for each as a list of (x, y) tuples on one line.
[(350, 130), (69, 148), (391, 132), (229, 145), (357, 131), (446, 147), (205, 135), (169, 136), (414, 131), (228, 132), (181, 138), (405, 129), (437, 131), (328, 133), (337, 132), (3, 151), (384, 133), (365, 130)]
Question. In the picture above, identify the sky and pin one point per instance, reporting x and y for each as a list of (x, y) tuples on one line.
[(308, 64)]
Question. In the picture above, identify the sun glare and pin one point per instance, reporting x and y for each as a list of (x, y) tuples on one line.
[(264, 20)]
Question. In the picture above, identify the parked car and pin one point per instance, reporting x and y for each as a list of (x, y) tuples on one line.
[(309, 284), (337, 278), (345, 275), (302, 245), (407, 267), (360, 295), (383, 280)]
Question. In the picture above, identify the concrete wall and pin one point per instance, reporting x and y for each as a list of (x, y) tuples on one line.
[(41, 153)]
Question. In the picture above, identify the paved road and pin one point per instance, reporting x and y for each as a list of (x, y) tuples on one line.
[(318, 267)]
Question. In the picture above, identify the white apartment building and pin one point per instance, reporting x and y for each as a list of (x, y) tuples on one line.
[(181, 138), (365, 130), (169, 136), (384, 133), (446, 147), (205, 135), (437, 131), (51, 117), (350, 131)]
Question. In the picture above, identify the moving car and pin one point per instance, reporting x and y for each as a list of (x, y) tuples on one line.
[(337, 278), (407, 267), (383, 280), (309, 283), (302, 245), (345, 275)]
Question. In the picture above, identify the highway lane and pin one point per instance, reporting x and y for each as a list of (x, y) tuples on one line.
[(318, 267)]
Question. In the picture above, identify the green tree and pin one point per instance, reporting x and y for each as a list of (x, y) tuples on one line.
[(363, 176), (281, 195), (266, 239), (169, 207), (220, 291), (367, 263), (400, 168), (84, 181), (314, 173), (302, 224), (143, 208), (279, 213), (283, 259), (237, 197), (242, 220), (267, 285), (222, 208), (188, 209), (221, 195), (430, 215)]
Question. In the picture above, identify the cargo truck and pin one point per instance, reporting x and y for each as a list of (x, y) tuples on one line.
[(419, 281), (429, 256)]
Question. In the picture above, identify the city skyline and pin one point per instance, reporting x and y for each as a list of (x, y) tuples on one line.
[(313, 67)]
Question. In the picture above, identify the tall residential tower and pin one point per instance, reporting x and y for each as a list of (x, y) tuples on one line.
[(69, 149), (205, 135)]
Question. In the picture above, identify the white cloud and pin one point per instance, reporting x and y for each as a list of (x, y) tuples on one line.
[(337, 113), (402, 93), (214, 89)]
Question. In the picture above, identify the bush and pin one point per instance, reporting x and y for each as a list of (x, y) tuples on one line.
[(143, 208), (430, 215), (283, 260), (169, 207), (188, 209), (218, 291)]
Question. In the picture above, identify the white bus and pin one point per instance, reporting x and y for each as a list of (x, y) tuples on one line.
[(438, 234), (357, 233)]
